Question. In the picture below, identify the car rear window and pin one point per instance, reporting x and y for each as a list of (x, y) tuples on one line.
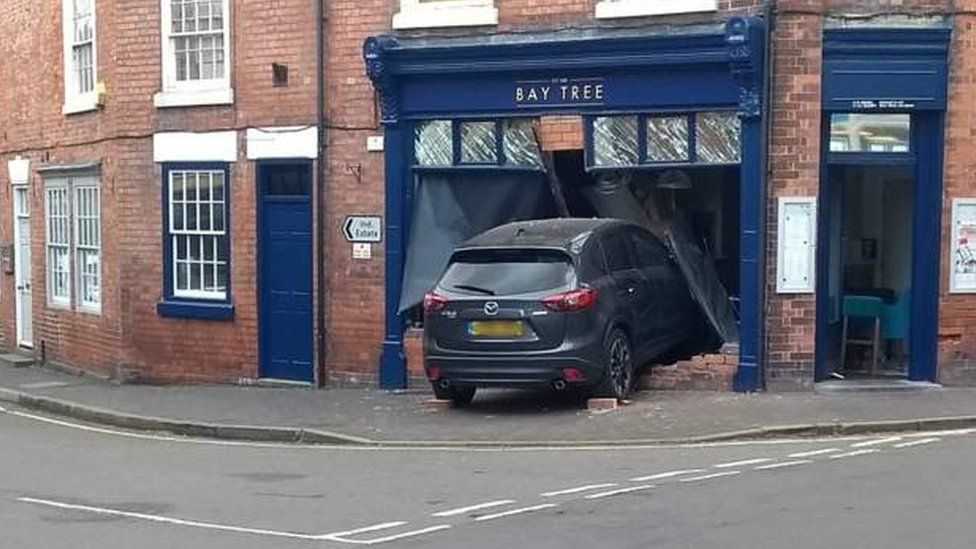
[(506, 272)]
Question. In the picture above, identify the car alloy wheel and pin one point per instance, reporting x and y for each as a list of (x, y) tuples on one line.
[(619, 368)]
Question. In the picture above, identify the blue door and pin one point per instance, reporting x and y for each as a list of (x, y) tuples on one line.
[(285, 270)]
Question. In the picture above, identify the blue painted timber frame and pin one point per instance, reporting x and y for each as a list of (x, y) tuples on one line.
[(183, 307), (893, 71), (717, 68)]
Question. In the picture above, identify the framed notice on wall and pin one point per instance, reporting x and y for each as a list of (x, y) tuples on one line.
[(796, 249), (962, 270)]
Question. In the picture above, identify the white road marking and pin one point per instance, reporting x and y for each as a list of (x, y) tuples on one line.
[(917, 442), (468, 509), (619, 492), (741, 463), (43, 385), (170, 520), (577, 490), (875, 442), (782, 464), (814, 453), (669, 474), (855, 453), (393, 537), (518, 511), (365, 529), (708, 477)]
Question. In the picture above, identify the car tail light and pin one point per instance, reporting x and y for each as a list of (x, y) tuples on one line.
[(433, 372), (567, 302), (434, 302), (573, 375)]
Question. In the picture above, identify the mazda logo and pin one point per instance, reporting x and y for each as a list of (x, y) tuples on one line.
[(491, 308)]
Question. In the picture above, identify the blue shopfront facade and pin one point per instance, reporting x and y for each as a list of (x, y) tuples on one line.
[(718, 68), (887, 71)]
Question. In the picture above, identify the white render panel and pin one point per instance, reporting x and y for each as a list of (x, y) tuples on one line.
[(195, 147), (282, 142)]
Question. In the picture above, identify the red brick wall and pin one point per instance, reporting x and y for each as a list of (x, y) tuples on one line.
[(957, 312), (129, 334)]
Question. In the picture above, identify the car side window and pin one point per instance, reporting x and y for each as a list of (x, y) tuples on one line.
[(592, 263), (617, 253), (649, 252)]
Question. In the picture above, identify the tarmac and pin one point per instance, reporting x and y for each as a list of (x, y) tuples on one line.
[(496, 418)]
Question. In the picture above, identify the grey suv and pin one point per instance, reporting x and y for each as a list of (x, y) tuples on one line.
[(563, 303)]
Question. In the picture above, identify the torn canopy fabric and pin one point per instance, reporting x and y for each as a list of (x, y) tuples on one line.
[(450, 208), (613, 198)]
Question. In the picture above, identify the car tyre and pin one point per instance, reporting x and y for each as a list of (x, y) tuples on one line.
[(459, 396), (619, 371)]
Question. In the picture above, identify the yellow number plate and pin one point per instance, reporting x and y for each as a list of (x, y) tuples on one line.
[(495, 328)]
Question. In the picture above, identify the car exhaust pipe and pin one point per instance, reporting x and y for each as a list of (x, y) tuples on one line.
[(444, 383), (559, 385)]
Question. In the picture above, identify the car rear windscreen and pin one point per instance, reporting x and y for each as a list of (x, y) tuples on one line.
[(508, 272)]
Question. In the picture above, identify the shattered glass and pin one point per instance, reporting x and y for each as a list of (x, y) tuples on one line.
[(667, 139), (718, 137), (478, 143), (433, 144), (615, 141), (521, 147)]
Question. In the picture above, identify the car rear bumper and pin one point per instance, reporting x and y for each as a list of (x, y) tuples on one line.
[(513, 372)]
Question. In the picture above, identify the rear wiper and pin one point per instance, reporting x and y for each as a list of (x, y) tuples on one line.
[(478, 289)]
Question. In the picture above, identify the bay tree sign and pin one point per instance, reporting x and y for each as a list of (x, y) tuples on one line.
[(363, 228)]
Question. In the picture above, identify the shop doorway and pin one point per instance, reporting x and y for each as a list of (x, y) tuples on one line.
[(285, 270), (878, 251), (22, 271), (869, 269)]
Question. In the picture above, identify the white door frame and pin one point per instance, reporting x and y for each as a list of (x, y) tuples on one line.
[(23, 293)]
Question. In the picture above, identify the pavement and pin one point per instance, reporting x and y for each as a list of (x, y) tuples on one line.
[(371, 417)]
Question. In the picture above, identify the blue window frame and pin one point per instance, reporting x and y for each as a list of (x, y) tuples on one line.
[(656, 140), (504, 143), (196, 241)]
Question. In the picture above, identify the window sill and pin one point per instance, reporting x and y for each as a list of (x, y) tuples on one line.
[(80, 104), (177, 308), (427, 17), (613, 9), (194, 98)]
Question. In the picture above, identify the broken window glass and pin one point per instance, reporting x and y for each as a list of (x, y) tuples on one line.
[(667, 139), (615, 141), (433, 144), (521, 147), (718, 137), (478, 143)]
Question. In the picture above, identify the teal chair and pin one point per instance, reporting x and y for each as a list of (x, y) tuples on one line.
[(895, 318), (862, 317)]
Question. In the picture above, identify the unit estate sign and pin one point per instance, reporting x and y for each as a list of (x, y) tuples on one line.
[(559, 92)]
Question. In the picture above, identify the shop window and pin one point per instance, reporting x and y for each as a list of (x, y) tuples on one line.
[(433, 143), (72, 209), (633, 140), (717, 137), (418, 14), (667, 139), (196, 242), (196, 53), (885, 133), (78, 18), (615, 141), (503, 142), (520, 144), (478, 143)]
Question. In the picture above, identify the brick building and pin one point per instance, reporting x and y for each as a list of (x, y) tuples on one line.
[(162, 162)]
